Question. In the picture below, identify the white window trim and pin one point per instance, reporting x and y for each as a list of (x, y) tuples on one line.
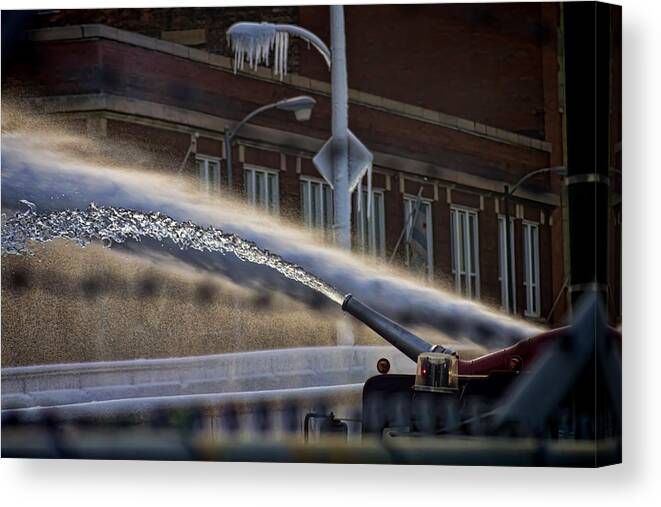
[(306, 212), (430, 233), (457, 278), (253, 198), (502, 252), (372, 248), (528, 269), (204, 183)]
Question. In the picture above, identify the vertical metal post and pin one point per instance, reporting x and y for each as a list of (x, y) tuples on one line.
[(228, 157), (587, 61), (508, 260), (340, 126)]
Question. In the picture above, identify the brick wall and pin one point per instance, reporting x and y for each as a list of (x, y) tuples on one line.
[(482, 62), (83, 67), (478, 61), (153, 22)]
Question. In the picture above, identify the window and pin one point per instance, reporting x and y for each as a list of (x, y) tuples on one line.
[(502, 257), (317, 205), (370, 234), (531, 268), (418, 249), (208, 169), (465, 256), (262, 188)]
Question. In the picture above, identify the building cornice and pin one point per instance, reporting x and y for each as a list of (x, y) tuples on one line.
[(394, 107), (184, 120)]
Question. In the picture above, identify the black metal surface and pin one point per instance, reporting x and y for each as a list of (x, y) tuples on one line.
[(404, 340), (587, 63)]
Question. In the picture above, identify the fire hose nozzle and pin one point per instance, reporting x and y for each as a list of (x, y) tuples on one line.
[(346, 302)]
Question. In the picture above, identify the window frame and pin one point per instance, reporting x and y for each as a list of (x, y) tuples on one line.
[(205, 185), (252, 199), (327, 228), (502, 252), (454, 245), (527, 270), (371, 249), (430, 231)]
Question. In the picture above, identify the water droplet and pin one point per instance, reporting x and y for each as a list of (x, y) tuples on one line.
[(32, 206)]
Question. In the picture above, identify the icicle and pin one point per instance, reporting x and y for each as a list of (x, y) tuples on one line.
[(286, 49), (275, 53), (369, 191), (281, 46), (278, 55), (359, 194), (251, 43), (283, 52)]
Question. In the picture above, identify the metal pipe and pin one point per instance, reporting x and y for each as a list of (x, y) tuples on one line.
[(228, 158), (508, 261), (411, 345), (340, 129), (192, 147)]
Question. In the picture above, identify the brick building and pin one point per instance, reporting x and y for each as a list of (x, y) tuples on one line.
[(454, 101)]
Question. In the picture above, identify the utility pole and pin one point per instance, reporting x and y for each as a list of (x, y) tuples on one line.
[(343, 159), (340, 129)]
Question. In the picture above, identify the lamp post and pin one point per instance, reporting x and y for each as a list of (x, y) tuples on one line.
[(253, 42), (301, 107), (340, 129), (561, 170)]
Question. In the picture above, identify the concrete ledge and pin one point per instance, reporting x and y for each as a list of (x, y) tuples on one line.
[(345, 396), (306, 84), (57, 33), (261, 371), (171, 48), (100, 31), (198, 55)]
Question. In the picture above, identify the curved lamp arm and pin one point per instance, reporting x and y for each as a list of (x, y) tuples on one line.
[(293, 104), (262, 35), (307, 36), (257, 111), (556, 169)]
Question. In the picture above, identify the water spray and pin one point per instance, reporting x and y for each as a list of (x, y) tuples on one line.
[(117, 225), (57, 182)]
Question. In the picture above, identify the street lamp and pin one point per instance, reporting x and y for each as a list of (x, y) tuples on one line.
[(560, 170), (301, 107), (253, 43)]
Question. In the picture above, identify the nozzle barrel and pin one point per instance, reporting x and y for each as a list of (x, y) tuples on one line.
[(404, 340)]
